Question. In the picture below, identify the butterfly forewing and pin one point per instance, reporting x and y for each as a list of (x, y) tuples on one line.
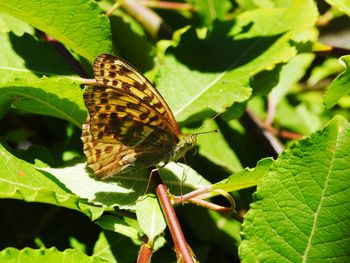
[(129, 124), (114, 72)]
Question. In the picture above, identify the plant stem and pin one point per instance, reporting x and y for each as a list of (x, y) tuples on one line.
[(167, 5), (183, 251), (150, 20), (145, 254), (268, 140), (333, 51)]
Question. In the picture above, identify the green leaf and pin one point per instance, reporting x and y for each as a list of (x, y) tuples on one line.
[(61, 98), (9, 23), (298, 118), (329, 67), (150, 217), (181, 178), (79, 25), (28, 58), (122, 191), (341, 5), (23, 86), (211, 10), (301, 208), (253, 4), (22, 68), (77, 245), (245, 178), (213, 71), (20, 180), (340, 85), (214, 147), (44, 255), (112, 247), (134, 45), (290, 75), (119, 225)]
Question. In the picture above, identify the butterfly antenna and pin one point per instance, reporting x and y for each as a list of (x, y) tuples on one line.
[(217, 114), (197, 133), (212, 118)]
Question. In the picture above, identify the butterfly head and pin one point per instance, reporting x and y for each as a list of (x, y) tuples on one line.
[(185, 143)]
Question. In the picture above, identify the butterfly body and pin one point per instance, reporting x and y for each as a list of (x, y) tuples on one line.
[(129, 125)]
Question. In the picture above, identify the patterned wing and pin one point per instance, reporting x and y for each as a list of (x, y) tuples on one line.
[(129, 124), (115, 72)]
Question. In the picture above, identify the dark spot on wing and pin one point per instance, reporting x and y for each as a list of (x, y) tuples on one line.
[(125, 85), (132, 106)]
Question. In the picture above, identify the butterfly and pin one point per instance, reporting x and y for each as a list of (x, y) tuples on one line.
[(129, 125)]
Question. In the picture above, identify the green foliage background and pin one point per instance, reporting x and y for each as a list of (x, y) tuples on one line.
[(271, 59)]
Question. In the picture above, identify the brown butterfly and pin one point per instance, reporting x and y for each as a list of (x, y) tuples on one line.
[(129, 124)]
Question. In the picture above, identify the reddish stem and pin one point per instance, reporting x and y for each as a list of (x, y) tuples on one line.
[(183, 251), (211, 206), (196, 197), (265, 137), (271, 111), (145, 254), (333, 51)]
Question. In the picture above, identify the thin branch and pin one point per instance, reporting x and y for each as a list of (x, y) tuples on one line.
[(285, 134), (197, 196), (333, 51), (113, 8), (150, 20), (271, 111), (325, 19), (267, 140), (183, 251), (145, 254), (66, 55), (195, 193), (167, 5), (209, 205)]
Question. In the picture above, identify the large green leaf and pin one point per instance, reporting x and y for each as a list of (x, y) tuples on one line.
[(291, 73), (126, 227), (9, 23), (112, 247), (122, 192), (214, 147), (61, 98), (342, 5), (79, 25), (301, 208), (340, 85), (20, 180), (209, 10), (181, 178), (29, 82), (245, 178), (44, 255), (212, 69)]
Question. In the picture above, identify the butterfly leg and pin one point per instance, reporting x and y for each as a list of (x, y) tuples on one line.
[(150, 179)]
